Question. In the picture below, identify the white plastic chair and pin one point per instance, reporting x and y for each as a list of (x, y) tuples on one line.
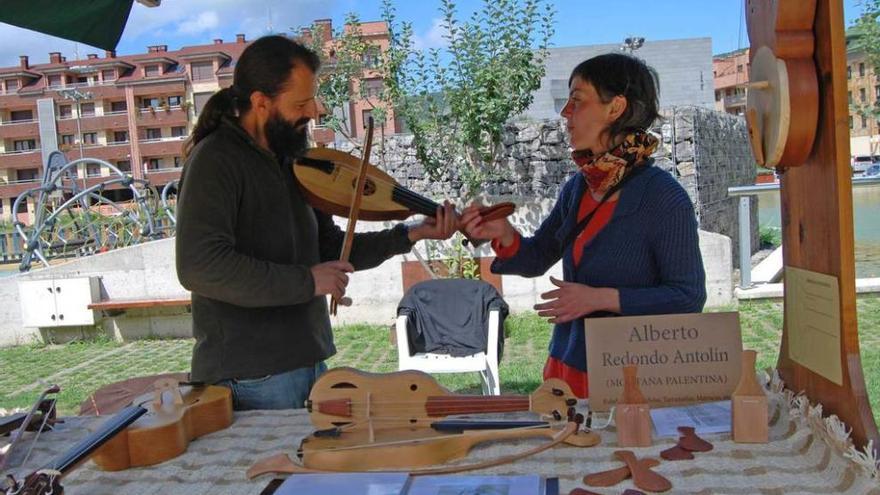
[(484, 362)]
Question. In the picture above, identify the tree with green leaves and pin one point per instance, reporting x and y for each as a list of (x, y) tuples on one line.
[(456, 101), (343, 69)]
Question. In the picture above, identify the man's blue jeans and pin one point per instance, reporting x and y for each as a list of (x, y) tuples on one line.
[(288, 390)]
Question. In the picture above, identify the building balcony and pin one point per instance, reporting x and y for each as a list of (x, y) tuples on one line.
[(734, 101), (115, 120), (20, 129), (14, 188), (160, 117), (163, 176), (161, 147), (111, 152), (21, 159)]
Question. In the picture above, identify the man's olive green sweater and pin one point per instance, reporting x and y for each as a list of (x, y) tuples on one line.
[(246, 240)]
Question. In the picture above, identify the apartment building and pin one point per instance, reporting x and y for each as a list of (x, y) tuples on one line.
[(132, 111), (731, 74), (863, 91)]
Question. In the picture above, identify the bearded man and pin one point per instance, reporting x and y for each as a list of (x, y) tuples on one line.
[(255, 255)]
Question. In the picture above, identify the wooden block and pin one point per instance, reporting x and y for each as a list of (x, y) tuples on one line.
[(750, 420), (633, 425), (749, 405)]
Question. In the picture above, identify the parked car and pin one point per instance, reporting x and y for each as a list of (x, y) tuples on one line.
[(873, 171), (861, 163)]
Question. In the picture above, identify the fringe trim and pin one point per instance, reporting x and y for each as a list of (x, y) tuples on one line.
[(830, 428)]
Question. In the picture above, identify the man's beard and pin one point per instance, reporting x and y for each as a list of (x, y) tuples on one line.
[(287, 140)]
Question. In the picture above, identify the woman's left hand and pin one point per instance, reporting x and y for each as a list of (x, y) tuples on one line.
[(441, 227), (571, 301)]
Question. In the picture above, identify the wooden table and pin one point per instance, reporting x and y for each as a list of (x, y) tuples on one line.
[(797, 460)]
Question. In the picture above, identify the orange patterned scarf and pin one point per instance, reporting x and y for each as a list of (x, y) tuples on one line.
[(603, 171)]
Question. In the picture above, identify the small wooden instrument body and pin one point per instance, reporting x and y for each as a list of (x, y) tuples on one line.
[(176, 415), (329, 178), (632, 415), (749, 405), (782, 109), (346, 396)]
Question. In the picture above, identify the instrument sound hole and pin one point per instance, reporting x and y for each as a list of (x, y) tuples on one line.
[(413, 421), (413, 387), (344, 385), (369, 187)]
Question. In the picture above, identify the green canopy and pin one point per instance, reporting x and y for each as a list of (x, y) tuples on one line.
[(93, 22)]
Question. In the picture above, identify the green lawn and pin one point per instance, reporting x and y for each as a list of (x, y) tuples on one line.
[(81, 367)]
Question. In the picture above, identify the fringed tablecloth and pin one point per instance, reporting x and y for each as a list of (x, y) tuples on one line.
[(806, 455)]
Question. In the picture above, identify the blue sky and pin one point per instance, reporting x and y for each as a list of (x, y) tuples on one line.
[(178, 23)]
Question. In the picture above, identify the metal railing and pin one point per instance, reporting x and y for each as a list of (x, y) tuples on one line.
[(744, 193)]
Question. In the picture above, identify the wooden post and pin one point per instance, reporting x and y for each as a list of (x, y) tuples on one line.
[(817, 232)]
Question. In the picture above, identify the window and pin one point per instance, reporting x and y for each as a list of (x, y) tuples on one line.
[(717, 98), (559, 104), (123, 165), (154, 164), (323, 119), (862, 95), (849, 97), (67, 139), (178, 131), (152, 71), (199, 100), (87, 109), (120, 136), (370, 58), (28, 174), (175, 101), (201, 71), (108, 74), (862, 69), (82, 80), (55, 81), (864, 122), (24, 145), (177, 162), (118, 106), (154, 133), (366, 114), (21, 115), (849, 72), (877, 92), (11, 84), (850, 121), (93, 170), (739, 68), (372, 87), (149, 102), (64, 112), (90, 137)]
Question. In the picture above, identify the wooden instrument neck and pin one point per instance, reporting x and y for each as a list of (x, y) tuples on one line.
[(473, 404)]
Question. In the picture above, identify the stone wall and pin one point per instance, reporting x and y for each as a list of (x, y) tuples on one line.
[(706, 151)]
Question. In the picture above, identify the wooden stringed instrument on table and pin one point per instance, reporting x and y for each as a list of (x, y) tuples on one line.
[(329, 179), (354, 399), (175, 415), (389, 422)]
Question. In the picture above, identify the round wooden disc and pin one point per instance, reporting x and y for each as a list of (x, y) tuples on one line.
[(771, 103)]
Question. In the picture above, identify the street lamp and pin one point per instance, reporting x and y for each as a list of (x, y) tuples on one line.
[(632, 43)]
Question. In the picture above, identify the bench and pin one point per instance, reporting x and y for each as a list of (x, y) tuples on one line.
[(114, 307)]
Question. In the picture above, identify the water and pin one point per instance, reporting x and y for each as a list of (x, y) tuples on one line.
[(866, 223)]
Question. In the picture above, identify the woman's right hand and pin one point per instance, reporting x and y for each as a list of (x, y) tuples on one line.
[(476, 228)]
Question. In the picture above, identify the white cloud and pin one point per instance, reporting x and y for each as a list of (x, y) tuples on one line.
[(175, 23), (434, 38), (205, 21)]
